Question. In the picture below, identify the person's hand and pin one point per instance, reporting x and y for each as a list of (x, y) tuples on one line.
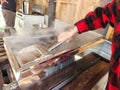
[(68, 35), (3, 1)]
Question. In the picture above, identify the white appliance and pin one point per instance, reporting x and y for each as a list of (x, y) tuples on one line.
[(24, 23)]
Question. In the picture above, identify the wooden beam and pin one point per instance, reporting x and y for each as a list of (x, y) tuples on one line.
[(90, 45), (110, 33), (66, 2)]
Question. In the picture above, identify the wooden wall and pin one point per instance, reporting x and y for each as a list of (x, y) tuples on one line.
[(71, 10), (74, 10), (43, 3)]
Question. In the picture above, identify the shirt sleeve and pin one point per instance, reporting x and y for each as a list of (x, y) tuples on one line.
[(98, 18)]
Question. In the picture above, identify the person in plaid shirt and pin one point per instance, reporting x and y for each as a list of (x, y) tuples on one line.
[(99, 18)]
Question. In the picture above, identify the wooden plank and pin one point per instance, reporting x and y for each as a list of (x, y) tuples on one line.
[(3, 58), (43, 3), (87, 79), (12, 60), (78, 9), (65, 10), (1, 80), (110, 33), (1, 46), (60, 10), (2, 54), (2, 50), (66, 2), (70, 12), (91, 45)]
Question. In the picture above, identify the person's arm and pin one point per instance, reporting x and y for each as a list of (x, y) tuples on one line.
[(3, 1), (99, 18), (93, 20), (67, 35)]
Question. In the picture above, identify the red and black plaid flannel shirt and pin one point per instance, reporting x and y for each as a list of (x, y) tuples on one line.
[(99, 19)]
